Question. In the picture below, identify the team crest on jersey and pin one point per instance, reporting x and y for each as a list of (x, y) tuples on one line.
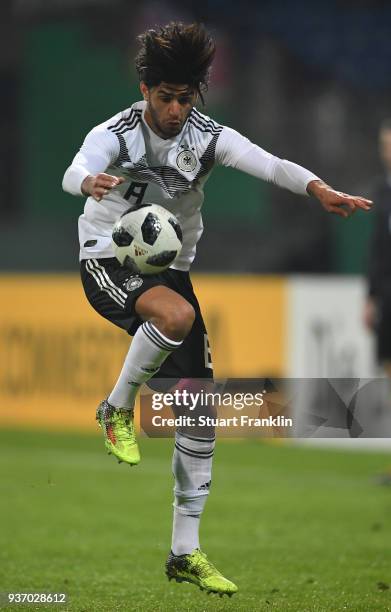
[(142, 161), (186, 161), (132, 283)]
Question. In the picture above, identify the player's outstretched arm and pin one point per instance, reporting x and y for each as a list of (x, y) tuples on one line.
[(100, 185), (236, 151), (337, 202)]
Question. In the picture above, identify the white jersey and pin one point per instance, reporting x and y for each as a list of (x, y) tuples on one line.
[(170, 172)]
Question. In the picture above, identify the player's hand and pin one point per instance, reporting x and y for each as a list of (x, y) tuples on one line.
[(100, 185), (337, 202)]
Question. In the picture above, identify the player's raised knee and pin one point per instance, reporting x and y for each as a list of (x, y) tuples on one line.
[(177, 321)]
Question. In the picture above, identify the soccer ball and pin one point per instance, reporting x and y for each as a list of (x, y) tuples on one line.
[(146, 240)]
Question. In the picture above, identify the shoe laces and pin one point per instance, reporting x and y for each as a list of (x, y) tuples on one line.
[(123, 422), (203, 566)]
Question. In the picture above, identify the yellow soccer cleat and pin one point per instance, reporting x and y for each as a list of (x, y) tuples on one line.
[(119, 432), (196, 568)]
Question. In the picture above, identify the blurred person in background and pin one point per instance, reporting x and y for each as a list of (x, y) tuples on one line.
[(377, 312), (162, 150)]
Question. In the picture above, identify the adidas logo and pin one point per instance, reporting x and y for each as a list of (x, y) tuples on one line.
[(139, 251), (205, 487)]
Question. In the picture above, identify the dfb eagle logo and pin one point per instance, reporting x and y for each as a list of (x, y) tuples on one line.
[(186, 161)]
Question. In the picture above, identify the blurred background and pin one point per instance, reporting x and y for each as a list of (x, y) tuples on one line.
[(310, 85)]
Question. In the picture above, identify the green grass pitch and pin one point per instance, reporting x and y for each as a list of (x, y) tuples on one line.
[(296, 528)]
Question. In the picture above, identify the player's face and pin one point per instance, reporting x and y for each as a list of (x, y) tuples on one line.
[(385, 148), (168, 107)]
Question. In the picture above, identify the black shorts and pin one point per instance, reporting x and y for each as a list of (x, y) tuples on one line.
[(112, 291)]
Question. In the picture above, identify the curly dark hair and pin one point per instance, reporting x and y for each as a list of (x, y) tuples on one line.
[(176, 53)]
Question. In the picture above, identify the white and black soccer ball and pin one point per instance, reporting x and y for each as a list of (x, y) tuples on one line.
[(147, 240)]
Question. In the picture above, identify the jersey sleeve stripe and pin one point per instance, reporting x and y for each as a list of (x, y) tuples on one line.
[(204, 128), (207, 122), (130, 121)]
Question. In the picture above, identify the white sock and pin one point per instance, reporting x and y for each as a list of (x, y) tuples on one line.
[(185, 533), (148, 351), (192, 468)]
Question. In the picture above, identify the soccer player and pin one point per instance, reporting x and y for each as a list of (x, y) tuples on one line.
[(162, 150)]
